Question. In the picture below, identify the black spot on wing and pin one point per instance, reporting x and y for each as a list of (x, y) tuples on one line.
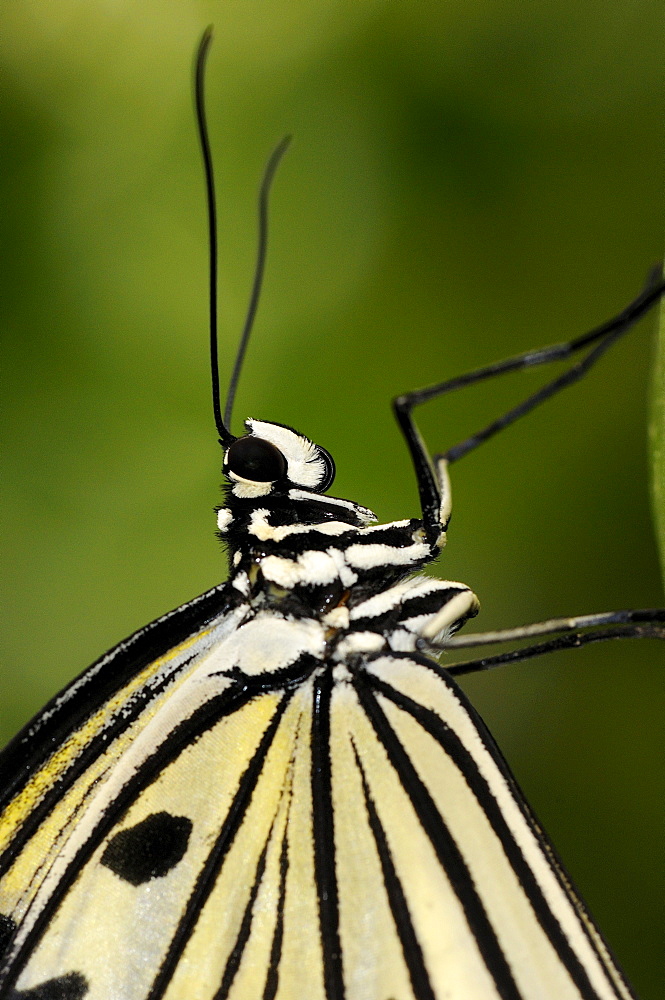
[(148, 850), (73, 986), (94, 748), (182, 736), (7, 929)]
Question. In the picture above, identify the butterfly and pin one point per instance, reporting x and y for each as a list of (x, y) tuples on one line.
[(276, 790)]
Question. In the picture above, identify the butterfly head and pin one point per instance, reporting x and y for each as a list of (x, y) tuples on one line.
[(276, 470), (272, 459)]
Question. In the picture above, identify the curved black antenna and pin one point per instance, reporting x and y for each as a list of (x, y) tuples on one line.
[(225, 435), (264, 194)]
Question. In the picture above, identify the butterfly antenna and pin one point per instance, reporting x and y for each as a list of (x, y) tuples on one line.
[(225, 435), (264, 195)]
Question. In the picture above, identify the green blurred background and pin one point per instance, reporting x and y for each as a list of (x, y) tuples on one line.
[(466, 181)]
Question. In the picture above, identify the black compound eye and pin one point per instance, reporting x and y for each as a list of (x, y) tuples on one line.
[(255, 459)]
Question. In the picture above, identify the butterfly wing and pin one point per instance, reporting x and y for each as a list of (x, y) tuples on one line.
[(114, 675), (53, 769), (354, 834), (470, 885)]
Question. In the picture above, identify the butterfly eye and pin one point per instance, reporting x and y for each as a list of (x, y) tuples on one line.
[(255, 459)]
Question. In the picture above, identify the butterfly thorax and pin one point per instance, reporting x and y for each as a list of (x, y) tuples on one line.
[(297, 555)]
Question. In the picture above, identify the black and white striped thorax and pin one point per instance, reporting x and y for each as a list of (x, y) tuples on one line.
[(301, 556)]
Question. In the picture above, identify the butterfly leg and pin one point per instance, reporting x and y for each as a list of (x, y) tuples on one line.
[(431, 473), (569, 633)]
